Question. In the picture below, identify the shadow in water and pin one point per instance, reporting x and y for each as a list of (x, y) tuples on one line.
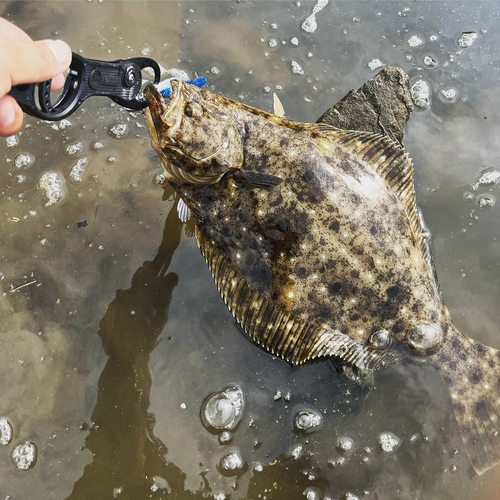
[(126, 454)]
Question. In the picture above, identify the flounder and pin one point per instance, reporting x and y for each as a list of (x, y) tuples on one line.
[(315, 243)]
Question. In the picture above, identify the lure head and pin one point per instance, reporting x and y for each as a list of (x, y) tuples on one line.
[(196, 136)]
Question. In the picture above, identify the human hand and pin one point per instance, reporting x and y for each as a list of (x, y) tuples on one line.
[(26, 61)]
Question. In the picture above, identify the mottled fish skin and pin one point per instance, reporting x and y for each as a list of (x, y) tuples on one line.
[(328, 260)]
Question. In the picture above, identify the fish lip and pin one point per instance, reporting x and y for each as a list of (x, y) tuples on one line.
[(156, 101)]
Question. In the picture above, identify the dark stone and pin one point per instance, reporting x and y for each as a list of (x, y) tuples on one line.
[(382, 105), (392, 292)]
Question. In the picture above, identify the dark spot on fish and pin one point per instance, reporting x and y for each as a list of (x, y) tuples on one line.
[(392, 292), (434, 316), (283, 225), (206, 129), (476, 377), (462, 356), (417, 306), (480, 406), (498, 383), (447, 380), (283, 143), (455, 344), (301, 272), (309, 176), (355, 317), (335, 226), (458, 407), (373, 230), (355, 199), (358, 250), (277, 201), (335, 287), (354, 274), (225, 231), (480, 349)]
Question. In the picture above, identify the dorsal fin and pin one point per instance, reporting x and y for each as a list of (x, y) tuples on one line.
[(388, 159), (282, 333)]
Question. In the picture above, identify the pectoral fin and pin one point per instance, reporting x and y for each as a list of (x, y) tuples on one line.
[(249, 179)]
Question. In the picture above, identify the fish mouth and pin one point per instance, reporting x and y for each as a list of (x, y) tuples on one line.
[(162, 119)]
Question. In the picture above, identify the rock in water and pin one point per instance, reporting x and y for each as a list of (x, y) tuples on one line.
[(382, 105), (314, 240)]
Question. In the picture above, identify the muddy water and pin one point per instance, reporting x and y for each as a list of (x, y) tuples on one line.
[(118, 335)]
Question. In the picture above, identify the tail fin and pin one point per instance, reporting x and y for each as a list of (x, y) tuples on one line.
[(472, 374)]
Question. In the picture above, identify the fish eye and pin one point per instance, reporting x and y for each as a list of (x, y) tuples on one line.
[(188, 110)]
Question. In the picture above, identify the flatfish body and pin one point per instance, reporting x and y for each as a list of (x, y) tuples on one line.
[(314, 241)]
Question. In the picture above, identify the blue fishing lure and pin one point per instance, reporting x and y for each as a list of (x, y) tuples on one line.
[(166, 91)]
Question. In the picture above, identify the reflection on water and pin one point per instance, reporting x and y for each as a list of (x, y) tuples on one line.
[(87, 246)]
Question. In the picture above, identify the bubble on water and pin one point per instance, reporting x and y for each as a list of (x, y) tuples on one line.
[(21, 178), (160, 179), (258, 467), (388, 442), (216, 70), (433, 38), (74, 148), (375, 64), (23, 160), (233, 462), (485, 201), (119, 130), (488, 177), (449, 95), (146, 51), (420, 92), (415, 41), (52, 184), (294, 41), (5, 432), (266, 89), (24, 455), (307, 420), (468, 196), (277, 395), (380, 339), (466, 39), (345, 444), (312, 493), (296, 68), (222, 410), (273, 43), (273, 26), (225, 437), (425, 336), (12, 141), (310, 25), (160, 483), (97, 145), (297, 451), (117, 491), (78, 169), (350, 496), (430, 62), (111, 159), (288, 396)]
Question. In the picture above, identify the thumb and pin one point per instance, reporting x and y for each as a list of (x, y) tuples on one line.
[(32, 62)]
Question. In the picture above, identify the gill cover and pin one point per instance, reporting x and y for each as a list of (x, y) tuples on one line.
[(196, 139)]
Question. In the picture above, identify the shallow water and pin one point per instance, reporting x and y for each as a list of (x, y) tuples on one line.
[(119, 336)]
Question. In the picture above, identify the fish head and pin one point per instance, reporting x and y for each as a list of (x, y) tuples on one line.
[(196, 136)]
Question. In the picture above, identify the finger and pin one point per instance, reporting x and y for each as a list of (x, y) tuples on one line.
[(57, 82), (11, 116), (12, 32), (34, 61)]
